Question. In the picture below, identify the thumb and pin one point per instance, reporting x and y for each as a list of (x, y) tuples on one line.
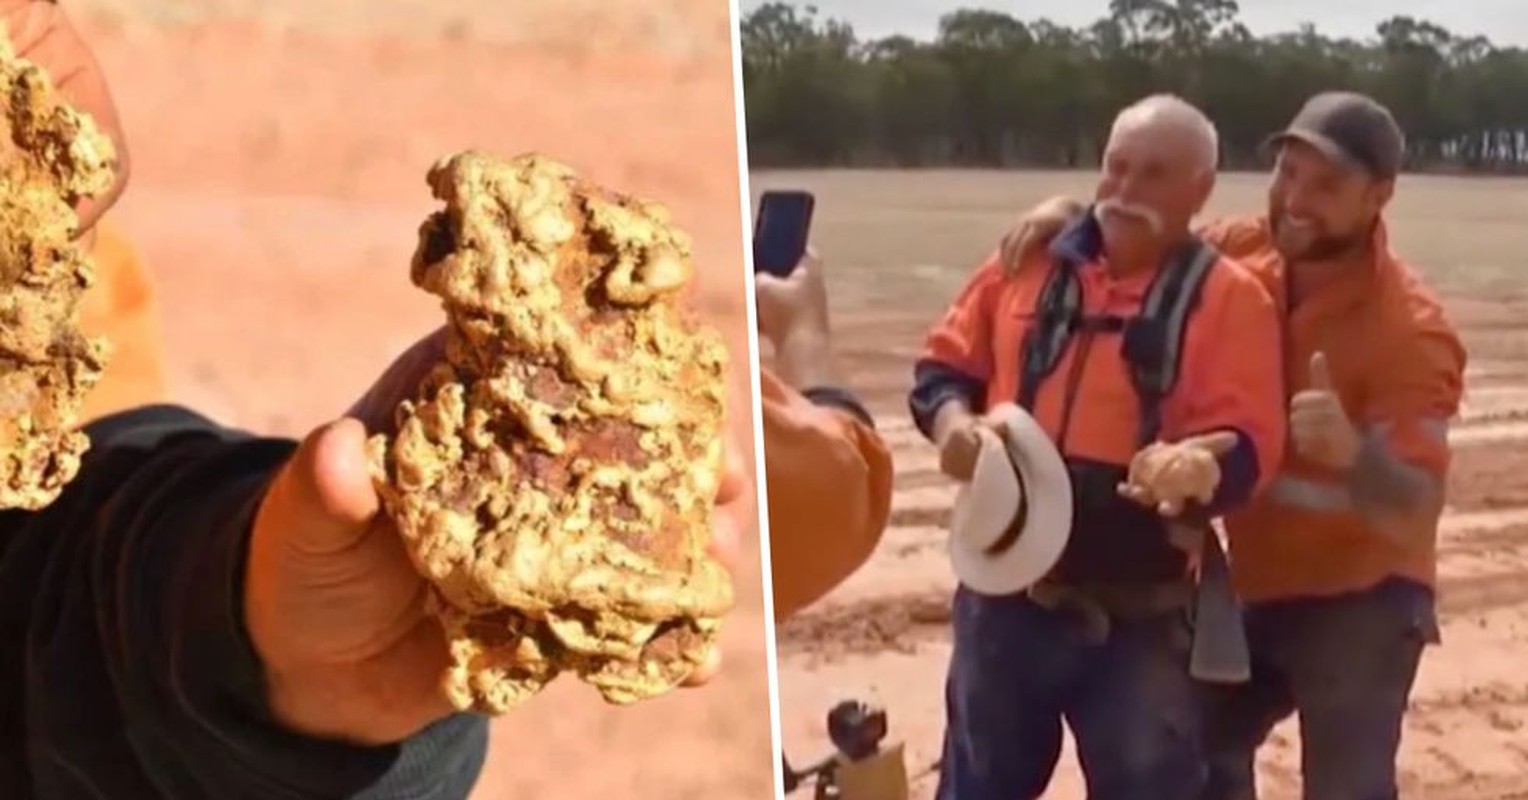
[(1216, 444), (1320, 373), (326, 490)]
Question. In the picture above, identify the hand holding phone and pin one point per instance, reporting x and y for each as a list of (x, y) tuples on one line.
[(781, 230)]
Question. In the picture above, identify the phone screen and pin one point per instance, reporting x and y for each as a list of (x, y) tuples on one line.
[(780, 231)]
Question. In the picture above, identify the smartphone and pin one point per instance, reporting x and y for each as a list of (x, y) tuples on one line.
[(780, 231)]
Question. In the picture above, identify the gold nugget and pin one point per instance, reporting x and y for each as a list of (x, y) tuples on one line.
[(53, 157), (554, 478)]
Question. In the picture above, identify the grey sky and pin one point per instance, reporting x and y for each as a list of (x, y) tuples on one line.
[(1503, 21)]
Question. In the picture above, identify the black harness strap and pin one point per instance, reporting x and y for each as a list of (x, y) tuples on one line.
[(1152, 342), (1115, 540)]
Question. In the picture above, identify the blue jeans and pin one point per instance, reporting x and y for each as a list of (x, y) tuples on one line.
[(1020, 669), (1346, 664)]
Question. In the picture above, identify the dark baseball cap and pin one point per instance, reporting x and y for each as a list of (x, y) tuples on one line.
[(1351, 129)]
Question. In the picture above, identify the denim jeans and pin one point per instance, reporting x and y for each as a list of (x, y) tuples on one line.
[(1019, 670), (1346, 664)]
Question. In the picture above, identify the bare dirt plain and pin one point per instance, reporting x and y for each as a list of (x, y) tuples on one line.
[(897, 246), (280, 152)]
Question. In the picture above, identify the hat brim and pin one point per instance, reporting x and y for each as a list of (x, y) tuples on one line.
[(1023, 468), (1323, 145)]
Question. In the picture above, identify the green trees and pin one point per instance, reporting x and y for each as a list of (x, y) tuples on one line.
[(993, 90)]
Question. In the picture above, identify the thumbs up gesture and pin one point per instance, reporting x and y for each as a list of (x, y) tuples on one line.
[(1167, 475), (1318, 423)]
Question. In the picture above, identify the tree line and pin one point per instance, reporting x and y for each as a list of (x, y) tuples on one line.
[(992, 90)]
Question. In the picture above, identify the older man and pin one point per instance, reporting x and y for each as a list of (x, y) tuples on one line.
[(1153, 363), (1337, 560)]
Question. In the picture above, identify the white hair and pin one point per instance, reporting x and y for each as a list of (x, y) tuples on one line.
[(1171, 112)]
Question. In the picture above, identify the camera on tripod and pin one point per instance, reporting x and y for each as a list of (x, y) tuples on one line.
[(860, 768)]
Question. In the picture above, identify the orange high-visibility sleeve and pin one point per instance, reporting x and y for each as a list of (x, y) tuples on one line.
[(962, 339), (829, 480), (958, 360), (1412, 401)]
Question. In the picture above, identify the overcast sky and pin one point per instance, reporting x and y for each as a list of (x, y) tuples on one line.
[(1503, 21)]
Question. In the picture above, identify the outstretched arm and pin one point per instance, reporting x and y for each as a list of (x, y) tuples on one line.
[(829, 481), (125, 660)]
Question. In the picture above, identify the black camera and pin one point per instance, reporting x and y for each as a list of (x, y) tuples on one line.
[(857, 729)]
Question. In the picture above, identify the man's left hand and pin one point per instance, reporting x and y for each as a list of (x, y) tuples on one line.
[(1168, 475), (1318, 423)]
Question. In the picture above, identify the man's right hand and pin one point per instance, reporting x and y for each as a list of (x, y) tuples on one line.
[(959, 441), (1035, 230), (41, 33)]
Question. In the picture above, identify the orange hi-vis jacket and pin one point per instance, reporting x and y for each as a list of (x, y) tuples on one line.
[(1228, 378), (829, 481), (1398, 367), (121, 307)]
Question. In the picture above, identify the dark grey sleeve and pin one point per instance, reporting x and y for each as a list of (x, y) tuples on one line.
[(125, 669)]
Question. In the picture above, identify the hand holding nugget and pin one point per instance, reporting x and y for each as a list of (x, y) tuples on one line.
[(554, 477), (1169, 475)]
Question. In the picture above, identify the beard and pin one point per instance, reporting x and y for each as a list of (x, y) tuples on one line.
[(1308, 240)]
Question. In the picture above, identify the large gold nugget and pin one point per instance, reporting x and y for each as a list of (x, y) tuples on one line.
[(51, 157), (555, 477)]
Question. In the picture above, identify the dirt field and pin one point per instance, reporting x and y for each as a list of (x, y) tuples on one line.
[(898, 244), (280, 151)]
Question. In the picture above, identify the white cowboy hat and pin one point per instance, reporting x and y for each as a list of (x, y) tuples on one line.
[(994, 549)]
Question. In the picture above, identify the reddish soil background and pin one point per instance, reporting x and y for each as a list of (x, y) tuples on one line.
[(280, 151), (896, 246)]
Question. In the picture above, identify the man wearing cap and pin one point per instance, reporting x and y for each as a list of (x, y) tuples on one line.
[(1337, 559), (1076, 347)]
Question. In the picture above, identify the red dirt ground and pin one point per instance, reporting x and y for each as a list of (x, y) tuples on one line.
[(280, 151), (884, 634)]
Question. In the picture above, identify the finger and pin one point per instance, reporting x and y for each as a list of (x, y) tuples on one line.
[(1136, 470), (378, 407), (1320, 373), (709, 668), (810, 262), (1136, 493), (1006, 250), (1152, 462), (734, 483), (729, 522), (328, 491), (1217, 444)]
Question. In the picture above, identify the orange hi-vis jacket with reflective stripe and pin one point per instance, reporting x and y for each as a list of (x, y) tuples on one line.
[(1398, 367), (1229, 378), (121, 307)]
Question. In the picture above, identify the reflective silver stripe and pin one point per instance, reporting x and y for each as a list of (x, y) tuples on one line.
[(1287, 490), (1436, 428), (1177, 316)]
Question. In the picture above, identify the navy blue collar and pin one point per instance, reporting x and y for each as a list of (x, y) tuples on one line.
[(1080, 242)]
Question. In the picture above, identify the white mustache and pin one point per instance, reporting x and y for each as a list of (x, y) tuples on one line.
[(1142, 213)]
